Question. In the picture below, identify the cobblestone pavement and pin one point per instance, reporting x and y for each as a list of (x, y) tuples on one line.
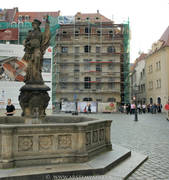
[(149, 136)]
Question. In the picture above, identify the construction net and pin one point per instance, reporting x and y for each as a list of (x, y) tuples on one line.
[(126, 64)]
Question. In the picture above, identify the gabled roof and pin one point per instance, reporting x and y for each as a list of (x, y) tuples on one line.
[(165, 37), (35, 15), (92, 17), (141, 57)]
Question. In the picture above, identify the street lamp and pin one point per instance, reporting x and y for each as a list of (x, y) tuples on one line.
[(135, 99)]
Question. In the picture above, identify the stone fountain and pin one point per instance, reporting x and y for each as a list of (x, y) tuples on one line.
[(35, 139)]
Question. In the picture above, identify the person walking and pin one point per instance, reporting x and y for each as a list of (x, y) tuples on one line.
[(10, 108)]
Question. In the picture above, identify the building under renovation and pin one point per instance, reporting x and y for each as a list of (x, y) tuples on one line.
[(91, 60)]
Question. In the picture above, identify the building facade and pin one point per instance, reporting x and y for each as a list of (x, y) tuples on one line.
[(157, 71), (138, 79), (90, 64)]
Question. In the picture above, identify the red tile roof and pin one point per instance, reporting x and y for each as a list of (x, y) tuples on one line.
[(9, 34), (93, 17), (35, 15), (165, 37)]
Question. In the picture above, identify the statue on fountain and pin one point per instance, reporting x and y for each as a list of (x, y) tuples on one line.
[(34, 97)]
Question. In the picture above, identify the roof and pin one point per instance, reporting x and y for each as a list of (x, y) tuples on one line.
[(9, 34), (165, 37), (141, 57), (35, 15), (92, 17)]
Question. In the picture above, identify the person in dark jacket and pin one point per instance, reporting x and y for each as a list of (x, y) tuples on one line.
[(10, 108)]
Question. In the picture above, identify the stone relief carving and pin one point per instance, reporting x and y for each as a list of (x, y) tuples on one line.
[(45, 143), (88, 138), (64, 141), (101, 135), (95, 136), (25, 143)]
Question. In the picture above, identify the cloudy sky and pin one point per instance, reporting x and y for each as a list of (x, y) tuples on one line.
[(148, 18)]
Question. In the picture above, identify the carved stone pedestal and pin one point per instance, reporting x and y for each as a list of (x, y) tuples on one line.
[(34, 100)]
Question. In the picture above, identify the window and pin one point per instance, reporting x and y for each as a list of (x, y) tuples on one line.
[(98, 79), (78, 18), (87, 67), (87, 18), (20, 18), (63, 85), (76, 33), (98, 49), (87, 99), (87, 83), (76, 50), (63, 66), (87, 49), (111, 49), (98, 86), (87, 30), (111, 32), (99, 67), (97, 18), (110, 66), (76, 68), (87, 60), (158, 65), (98, 33), (64, 49), (27, 18), (111, 99), (76, 86), (150, 84), (158, 83), (150, 68), (111, 85), (64, 33)]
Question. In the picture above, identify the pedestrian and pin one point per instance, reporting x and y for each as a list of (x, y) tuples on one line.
[(133, 107), (10, 108), (139, 108), (167, 110), (89, 108), (144, 108)]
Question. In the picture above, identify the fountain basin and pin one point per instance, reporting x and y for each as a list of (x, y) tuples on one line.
[(56, 139)]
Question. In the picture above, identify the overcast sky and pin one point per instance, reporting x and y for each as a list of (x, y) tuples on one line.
[(148, 18)]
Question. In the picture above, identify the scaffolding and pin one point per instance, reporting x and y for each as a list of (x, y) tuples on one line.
[(67, 37)]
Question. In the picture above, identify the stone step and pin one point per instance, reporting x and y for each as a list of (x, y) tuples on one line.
[(119, 163)]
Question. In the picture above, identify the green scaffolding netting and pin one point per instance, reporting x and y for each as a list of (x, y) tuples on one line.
[(126, 64)]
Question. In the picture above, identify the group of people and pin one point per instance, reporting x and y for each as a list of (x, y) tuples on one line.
[(141, 108)]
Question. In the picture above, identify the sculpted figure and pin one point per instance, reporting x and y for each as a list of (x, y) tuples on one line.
[(36, 44)]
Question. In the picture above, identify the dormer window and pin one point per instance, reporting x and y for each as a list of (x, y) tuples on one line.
[(97, 18), (78, 18), (87, 18), (13, 23), (27, 18), (43, 18), (20, 17)]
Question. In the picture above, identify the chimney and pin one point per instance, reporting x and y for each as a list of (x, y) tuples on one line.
[(97, 11)]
